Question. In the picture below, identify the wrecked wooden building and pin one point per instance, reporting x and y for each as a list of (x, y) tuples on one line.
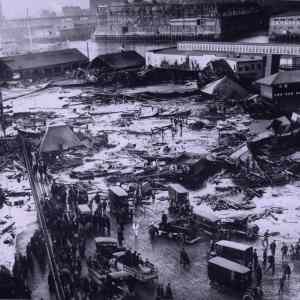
[(41, 64), (119, 61)]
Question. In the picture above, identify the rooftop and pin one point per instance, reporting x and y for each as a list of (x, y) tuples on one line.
[(234, 245), (230, 265), (43, 59), (178, 188), (205, 213), (175, 51), (281, 78), (120, 60), (295, 13), (118, 191)]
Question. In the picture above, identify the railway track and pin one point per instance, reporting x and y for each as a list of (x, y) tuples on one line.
[(37, 195)]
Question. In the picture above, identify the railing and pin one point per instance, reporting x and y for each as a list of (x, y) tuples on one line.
[(241, 48), (42, 222)]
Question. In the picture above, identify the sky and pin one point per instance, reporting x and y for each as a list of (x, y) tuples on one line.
[(17, 8)]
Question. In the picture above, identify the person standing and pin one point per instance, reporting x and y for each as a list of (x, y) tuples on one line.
[(184, 258), (273, 248), (169, 293), (284, 251), (120, 236), (271, 266), (255, 260), (265, 256), (181, 127), (281, 284), (266, 238), (287, 271), (258, 274)]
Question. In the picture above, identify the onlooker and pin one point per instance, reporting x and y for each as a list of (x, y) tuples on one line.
[(273, 248)]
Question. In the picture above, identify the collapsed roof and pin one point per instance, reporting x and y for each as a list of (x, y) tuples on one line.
[(58, 138)]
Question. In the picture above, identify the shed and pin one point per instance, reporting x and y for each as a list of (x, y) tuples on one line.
[(59, 138), (119, 61), (42, 63)]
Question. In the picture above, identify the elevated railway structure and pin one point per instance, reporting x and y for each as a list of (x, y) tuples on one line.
[(271, 51), (187, 55)]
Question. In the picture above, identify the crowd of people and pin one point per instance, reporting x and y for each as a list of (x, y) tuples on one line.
[(70, 230), (270, 256), (68, 240)]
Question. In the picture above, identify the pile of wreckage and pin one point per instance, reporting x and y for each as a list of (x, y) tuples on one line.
[(271, 157)]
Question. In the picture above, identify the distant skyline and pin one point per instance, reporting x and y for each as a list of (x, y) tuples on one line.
[(17, 8)]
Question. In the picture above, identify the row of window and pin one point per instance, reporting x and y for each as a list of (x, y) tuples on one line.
[(240, 48), (250, 67), (287, 94), (288, 27)]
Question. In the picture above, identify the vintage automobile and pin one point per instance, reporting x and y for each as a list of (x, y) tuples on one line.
[(237, 252), (229, 273), (208, 222), (107, 246), (119, 281), (237, 226), (240, 226), (119, 204), (184, 230), (142, 271)]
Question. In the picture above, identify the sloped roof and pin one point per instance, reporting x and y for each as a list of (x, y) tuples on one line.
[(281, 78), (57, 138), (229, 265), (226, 87), (120, 60), (118, 191), (43, 59), (233, 245), (178, 188), (294, 13), (210, 87)]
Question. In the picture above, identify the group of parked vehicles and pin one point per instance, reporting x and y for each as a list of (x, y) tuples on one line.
[(188, 223), (230, 265)]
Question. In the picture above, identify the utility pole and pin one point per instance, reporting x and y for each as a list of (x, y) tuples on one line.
[(88, 50), (29, 29), (2, 118)]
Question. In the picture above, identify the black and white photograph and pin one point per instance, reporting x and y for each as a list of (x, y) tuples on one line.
[(150, 149)]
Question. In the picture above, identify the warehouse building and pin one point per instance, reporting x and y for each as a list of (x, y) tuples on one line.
[(41, 64)]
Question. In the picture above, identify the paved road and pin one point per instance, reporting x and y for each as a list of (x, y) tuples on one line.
[(193, 284)]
